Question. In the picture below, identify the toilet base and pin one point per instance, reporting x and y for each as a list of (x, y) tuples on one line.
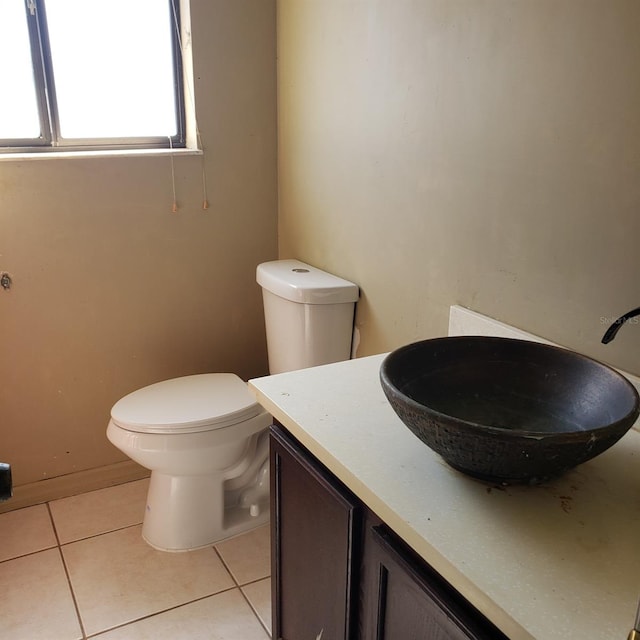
[(184, 513)]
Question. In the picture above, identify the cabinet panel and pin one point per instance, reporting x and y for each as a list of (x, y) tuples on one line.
[(315, 528), (338, 571), (403, 598)]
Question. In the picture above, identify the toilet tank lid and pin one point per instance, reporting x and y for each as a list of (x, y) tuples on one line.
[(300, 282), (191, 403)]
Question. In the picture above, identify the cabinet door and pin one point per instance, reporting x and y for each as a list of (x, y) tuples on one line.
[(314, 523), (402, 598)]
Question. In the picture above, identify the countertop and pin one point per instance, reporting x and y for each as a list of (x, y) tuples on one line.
[(549, 562)]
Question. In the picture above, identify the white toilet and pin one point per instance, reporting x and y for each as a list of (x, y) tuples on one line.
[(204, 437)]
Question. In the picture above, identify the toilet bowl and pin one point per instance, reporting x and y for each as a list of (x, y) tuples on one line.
[(204, 439)]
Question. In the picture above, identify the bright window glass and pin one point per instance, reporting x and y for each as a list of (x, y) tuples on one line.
[(18, 103), (113, 68)]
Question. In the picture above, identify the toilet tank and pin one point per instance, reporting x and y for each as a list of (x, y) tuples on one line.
[(308, 315)]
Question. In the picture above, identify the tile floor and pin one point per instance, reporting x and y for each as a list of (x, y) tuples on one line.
[(78, 568)]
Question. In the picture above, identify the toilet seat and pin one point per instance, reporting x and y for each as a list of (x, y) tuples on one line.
[(189, 404)]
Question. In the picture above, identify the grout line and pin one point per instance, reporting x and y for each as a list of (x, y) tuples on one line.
[(66, 571), (239, 586), (226, 566), (34, 551), (253, 609), (59, 546), (30, 553), (53, 524), (246, 584), (102, 533), (157, 613)]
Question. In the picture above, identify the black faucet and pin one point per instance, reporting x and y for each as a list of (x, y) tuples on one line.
[(610, 333)]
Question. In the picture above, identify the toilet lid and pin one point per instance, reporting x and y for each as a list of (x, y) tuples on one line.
[(186, 405)]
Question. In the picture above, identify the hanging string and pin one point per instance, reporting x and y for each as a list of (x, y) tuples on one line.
[(205, 200), (174, 208)]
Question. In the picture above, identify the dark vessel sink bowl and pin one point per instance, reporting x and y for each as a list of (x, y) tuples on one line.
[(508, 411)]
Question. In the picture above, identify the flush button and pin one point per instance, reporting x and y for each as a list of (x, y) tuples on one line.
[(300, 270)]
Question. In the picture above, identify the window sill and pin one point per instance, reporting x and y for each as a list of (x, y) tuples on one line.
[(111, 153)]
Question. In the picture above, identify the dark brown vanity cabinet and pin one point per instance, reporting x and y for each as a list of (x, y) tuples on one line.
[(339, 573), (404, 599), (315, 526)]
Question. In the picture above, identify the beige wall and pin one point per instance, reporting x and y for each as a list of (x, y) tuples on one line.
[(111, 290), (477, 152)]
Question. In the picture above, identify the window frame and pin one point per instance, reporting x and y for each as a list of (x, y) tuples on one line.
[(49, 139)]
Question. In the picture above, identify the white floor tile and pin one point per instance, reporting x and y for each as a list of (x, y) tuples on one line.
[(125, 590), (259, 596), (25, 531), (36, 601), (118, 578), (100, 511), (248, 556), (225, 616)]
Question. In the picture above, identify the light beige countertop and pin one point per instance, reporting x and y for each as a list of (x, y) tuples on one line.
[(550, 562)]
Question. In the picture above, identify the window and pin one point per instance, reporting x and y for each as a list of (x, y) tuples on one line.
[(90, 75)]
